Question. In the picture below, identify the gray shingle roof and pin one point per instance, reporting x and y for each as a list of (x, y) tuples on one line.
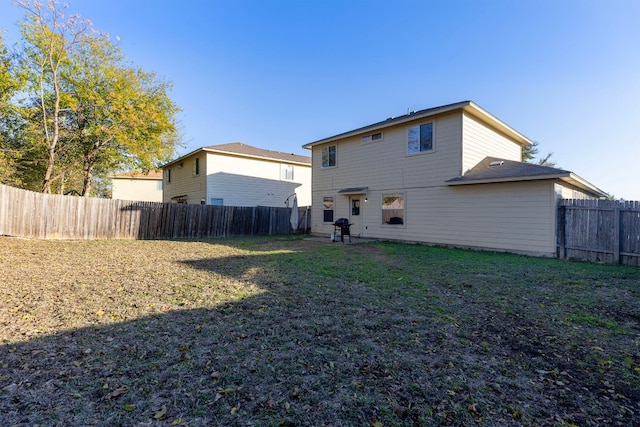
[(495, 169), (248, 150)]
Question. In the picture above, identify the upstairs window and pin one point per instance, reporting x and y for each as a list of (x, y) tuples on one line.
[(286, 172), (329, 156), (420, 138), (168, 176), (196, 166)]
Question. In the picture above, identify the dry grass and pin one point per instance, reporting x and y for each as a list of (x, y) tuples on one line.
[(279, 331)]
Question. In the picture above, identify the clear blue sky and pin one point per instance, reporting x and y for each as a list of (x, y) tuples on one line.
[(279, 74)]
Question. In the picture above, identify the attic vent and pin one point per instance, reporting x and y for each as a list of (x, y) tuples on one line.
[(497, 163), (372, 137)]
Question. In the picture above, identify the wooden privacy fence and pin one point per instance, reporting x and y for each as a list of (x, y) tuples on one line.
[(45, 216), (599, 230)]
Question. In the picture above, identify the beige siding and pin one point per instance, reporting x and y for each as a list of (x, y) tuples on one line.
[(237, 180), (384, 164), (144, 190), (517, 217), (184, 181), (566, 191), (481, 141), (242, 181)]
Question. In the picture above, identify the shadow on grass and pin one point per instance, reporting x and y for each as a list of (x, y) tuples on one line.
[(308, 341)]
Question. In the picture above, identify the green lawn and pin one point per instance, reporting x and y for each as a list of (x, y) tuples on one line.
[(275, 331)]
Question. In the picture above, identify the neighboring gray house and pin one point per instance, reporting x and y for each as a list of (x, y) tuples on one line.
[(448, 175), (237, 174)]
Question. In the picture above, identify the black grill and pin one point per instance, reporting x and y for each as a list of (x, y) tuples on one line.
[(343, 225)]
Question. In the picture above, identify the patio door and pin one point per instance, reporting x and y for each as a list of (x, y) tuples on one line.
[(355, 215)]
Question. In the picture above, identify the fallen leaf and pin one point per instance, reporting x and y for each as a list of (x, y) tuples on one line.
[(129, 408), (117, 392), (158, 415)]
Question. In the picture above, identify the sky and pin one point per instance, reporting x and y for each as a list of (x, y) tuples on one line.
[(278, 74)]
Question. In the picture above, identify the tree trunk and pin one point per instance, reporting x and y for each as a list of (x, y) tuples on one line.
[(87, 171), (51, 144), (46, 183)]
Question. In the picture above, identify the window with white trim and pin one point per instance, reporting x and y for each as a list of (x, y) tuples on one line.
[(329, 156), (286, 172), (327, 209), (393, 209), (420, 138)]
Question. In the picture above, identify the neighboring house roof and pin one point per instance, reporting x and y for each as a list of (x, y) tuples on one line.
[(468, 106), (493, 170), (139, 175), (244, 150)]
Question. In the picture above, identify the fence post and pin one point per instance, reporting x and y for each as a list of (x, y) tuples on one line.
[(562, 235), (616, 234)]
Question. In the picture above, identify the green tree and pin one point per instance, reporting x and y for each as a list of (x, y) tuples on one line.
[(48, 38), (529, 153), (121, 118), (86, 114), (9, 86)]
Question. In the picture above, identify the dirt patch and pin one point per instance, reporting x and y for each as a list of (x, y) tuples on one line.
[(293, 332)]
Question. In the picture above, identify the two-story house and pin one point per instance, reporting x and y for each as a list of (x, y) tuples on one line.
[(448, 175), (237, 174)]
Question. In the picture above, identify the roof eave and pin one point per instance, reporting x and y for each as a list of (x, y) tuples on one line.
[(232, 153), (506, 179), (390, 122), (568, 177), (182, 158), (253, 156), (477, 111), (468, 106), (584, 184)]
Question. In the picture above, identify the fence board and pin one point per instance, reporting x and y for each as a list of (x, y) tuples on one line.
[(599, 230), (45, 216)]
